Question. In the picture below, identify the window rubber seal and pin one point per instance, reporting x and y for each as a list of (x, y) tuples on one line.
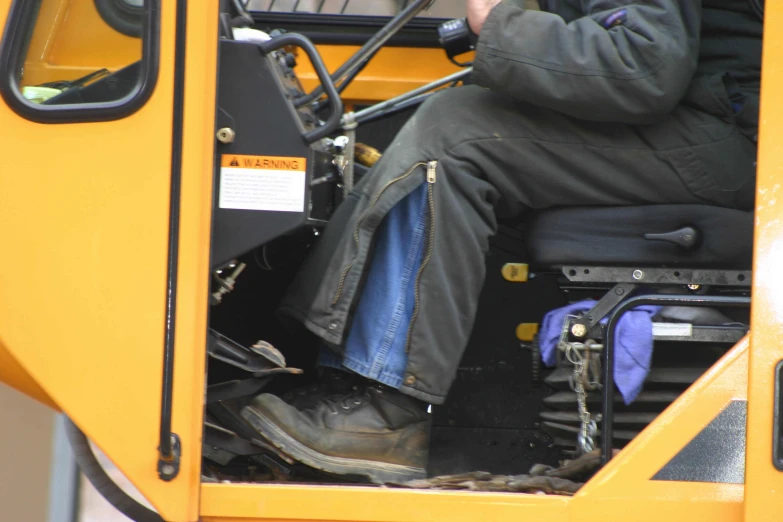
[(13, 51)]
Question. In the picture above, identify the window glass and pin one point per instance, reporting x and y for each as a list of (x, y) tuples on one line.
[(93, 55), (440, 9)]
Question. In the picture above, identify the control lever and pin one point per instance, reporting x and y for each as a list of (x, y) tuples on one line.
[(687, 237)]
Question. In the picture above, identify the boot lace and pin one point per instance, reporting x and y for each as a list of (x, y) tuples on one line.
[(348, 401)]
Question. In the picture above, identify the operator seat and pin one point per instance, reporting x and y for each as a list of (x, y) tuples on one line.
[(686, 253), (694, 236)]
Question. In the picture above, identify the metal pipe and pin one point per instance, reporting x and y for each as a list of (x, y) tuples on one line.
[(414, 93), (607, 399), (369, 48), (413, 102), (349, 126)]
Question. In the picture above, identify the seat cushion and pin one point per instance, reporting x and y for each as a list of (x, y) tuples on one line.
[(615, 236)]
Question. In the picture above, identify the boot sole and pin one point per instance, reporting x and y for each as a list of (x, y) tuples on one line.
[(377, 472)]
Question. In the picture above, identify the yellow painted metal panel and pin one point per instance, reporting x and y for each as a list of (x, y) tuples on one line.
[(764, 489), (223, 502), (15, 376), (623, 489), (393, 71), (83, 279)]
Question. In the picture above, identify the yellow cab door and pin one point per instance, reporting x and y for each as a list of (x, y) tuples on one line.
[(106, 121)]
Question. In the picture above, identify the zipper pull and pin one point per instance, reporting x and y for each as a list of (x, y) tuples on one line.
[(431, 168)]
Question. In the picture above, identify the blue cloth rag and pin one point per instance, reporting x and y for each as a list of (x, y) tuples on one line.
[(633, 348)]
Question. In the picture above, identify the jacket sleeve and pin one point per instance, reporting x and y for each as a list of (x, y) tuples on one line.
[(624, 61)]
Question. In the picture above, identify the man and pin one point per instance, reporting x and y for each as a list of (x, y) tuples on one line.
[(588, 102)]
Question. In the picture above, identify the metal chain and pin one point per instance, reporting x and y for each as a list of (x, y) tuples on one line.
[(585, 357), (588, 428)]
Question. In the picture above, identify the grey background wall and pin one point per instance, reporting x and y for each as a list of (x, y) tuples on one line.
[(26, 429)]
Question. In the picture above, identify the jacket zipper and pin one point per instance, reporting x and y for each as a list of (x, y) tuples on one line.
[(432, 167), (360, 222)]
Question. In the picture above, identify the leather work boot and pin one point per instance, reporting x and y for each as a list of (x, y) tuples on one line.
[(374, 431), (331, 382)]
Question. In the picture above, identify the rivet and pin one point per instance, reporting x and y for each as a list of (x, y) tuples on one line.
[(333, 326), (410, 380), (638, 274)]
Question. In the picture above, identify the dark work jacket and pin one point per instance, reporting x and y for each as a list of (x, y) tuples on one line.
[(625, 61)]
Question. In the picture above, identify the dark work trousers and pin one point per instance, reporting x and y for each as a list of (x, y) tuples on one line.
[(496, 159)]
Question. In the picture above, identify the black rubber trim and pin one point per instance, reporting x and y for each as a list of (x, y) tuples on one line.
[(13, 50), (167, 455), (349, 29), (777, 420), (103, 483), (123, 18)]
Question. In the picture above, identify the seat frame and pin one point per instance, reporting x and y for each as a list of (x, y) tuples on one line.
[(620, 298)]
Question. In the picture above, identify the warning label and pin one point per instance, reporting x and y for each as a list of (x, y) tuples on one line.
[(264, 162), (262, 183)]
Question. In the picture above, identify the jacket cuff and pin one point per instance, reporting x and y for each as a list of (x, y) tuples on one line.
[(491, 37)]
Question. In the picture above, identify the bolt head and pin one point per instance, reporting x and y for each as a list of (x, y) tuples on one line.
[(167, 469), (226, 135), (579, 330), (638, 275)]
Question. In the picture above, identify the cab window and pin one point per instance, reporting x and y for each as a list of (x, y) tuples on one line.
[(452, 9), (79, 60)]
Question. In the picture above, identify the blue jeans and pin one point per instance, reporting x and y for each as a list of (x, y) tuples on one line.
[(376, 344)]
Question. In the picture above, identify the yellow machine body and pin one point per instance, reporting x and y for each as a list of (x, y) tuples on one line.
[(84, 224)]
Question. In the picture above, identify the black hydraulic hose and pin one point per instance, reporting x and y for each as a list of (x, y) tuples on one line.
[(92, 469)]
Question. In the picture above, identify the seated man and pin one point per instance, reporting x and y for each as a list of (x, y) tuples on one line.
[(598, 102)]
